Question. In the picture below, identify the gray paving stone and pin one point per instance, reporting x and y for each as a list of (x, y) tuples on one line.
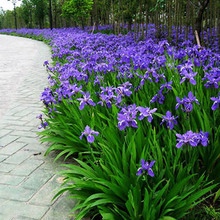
[(13, 122), (28, 140), (23, 113), (2, 201), (20, 128), (30, 117), (2, 157), (19, 106), (12, 148), (5, 217), (27, 167), (23, 209), (38, 178), (7, 140), (23, 134), (11, 117), (51, 165), (7, 167), (47, 192), (61, 210), (22, 218), (36, 148), (18, 157), (16, 193), (16, 110), (10, 179), (3, 132)]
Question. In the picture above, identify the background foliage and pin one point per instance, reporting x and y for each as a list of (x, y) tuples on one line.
[(201, 15)]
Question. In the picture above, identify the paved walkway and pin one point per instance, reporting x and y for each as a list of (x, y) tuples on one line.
[(27, 178)]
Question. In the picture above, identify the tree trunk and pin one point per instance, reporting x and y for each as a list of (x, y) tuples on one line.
[(218, 26), (187, 19), (55, 14), (50, 15), (198, 23), (31, 19), (177, 21), (169, 21), (113, 16)]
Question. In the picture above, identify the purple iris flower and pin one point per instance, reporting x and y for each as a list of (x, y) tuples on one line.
[(146, 112), (189, 76), (46, 63), (105, 99), (171, 120), (188, 138), (188, 66), (43, 125), (146, 166), (212, 82), (213, 77), (88, 132), (127, 117), (47, 97), (39, 116), (193, 139), (192, 98), (216, 102), (98, 80), (204, 138), (158, 76), (159, 97), (123, 89), (144, 78), (166, 85), (73, 89), (126, 120), (85, 100), (187, 102), (108, 90)]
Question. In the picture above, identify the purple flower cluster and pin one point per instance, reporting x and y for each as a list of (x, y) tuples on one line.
[(166, 86), (127, 116), (212, 77), (216, 103), (187, 102), (171, 120), (106, 96), (146, 167), (146, 112), (119, 71), (43, 125), (123, 90), (94, 58), (193, 139), (160, 96), (86, 100), (88, 132), (187, 73)]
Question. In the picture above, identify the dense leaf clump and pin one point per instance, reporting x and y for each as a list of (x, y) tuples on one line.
[(141, 119)]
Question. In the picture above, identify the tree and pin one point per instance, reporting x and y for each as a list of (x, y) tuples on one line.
[(40, 11), (27, 8), (50, 15), (200, 5), (79, 10)]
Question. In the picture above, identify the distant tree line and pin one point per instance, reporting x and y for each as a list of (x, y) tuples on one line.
[(200, 15)]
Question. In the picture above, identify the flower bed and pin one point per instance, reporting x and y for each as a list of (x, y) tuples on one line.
[(140, 118)]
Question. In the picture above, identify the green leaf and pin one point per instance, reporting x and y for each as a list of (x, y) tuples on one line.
[(217, 195), (167, 218)]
